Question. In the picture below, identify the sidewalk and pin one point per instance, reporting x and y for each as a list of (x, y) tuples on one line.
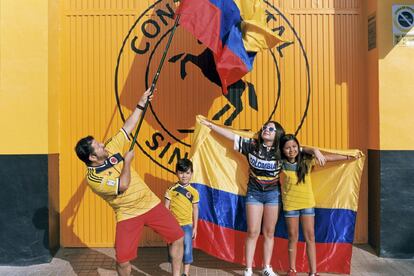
[(151, 261)]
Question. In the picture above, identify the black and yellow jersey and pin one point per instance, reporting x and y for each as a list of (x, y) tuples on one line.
[(264, 165)]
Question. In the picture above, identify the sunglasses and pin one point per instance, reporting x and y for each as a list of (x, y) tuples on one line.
[(270, 129)]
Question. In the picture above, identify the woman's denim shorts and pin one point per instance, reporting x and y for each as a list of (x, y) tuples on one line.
[(256, 196), (301, 212)]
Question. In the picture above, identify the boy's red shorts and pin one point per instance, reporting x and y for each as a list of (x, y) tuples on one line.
[(128, 232)]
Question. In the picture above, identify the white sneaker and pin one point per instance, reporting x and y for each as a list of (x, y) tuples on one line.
[(248, 272), (268, 271)]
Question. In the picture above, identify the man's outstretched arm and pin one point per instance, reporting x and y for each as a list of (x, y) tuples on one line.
[(132, 120), (125, 177)]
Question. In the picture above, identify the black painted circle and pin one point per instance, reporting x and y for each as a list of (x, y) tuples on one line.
[(149, 62), (302, 48), (405, 19)]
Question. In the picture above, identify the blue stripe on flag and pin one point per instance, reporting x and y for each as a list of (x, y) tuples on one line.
[(228, 210), (234, 42), (230, 15)]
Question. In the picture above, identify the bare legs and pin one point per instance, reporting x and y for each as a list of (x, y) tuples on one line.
[(270, 216), (123, 269), (308, 223), (255, 213), (186, 269), (293, 228), (176, 253)]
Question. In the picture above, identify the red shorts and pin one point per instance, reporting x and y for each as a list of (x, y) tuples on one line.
[(128, 232)]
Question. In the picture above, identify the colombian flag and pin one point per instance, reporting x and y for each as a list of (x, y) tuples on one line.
[(233, 31), (221, 175)]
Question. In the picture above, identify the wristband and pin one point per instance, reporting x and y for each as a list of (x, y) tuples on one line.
[(140, 107)]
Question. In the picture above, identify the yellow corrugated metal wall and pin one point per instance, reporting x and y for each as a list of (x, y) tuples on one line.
[(106, 47)]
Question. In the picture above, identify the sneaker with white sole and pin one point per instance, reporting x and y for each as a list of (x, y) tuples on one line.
[(248, 272), (268, 271)]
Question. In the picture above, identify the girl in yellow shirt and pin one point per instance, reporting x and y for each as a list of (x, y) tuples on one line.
[(298, 200)]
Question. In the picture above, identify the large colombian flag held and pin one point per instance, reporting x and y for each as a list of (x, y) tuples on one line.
[(220, 176), (233, 30)]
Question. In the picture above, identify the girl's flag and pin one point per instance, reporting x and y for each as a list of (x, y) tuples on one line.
[(233, 31), (221, 175)]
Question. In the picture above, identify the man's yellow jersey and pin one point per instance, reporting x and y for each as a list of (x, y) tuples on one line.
[(104, 181)]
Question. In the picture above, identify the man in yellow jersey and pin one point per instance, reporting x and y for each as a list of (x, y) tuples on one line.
[(110, 176)]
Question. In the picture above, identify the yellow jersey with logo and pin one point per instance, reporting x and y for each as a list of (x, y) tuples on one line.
[(104, 181), (296, 196), (182, 199)]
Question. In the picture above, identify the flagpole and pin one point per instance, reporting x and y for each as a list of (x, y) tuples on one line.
[(154, 81)]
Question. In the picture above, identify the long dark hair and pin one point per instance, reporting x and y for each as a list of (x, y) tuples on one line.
[(279, 133), (303, 166)]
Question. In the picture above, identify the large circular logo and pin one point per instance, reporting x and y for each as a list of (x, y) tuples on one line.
[(189, 84)]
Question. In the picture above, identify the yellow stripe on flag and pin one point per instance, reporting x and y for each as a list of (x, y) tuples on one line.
[(256, 35)]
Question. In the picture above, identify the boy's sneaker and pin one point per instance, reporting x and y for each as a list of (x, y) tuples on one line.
[(291, 272), (248, 272), (313, 274), (268, 271)]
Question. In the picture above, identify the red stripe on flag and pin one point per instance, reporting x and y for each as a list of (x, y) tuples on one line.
[(202, 19), (230, 68), (228, 244)]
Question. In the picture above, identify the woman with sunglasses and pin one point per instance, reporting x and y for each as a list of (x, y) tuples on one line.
[(263, 198)]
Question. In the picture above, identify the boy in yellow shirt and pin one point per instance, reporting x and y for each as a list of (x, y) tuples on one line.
[(182, 200)]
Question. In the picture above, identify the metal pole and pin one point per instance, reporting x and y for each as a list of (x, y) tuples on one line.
[(154, 81)]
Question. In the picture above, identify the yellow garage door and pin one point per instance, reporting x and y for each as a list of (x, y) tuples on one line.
[(312, 84)]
